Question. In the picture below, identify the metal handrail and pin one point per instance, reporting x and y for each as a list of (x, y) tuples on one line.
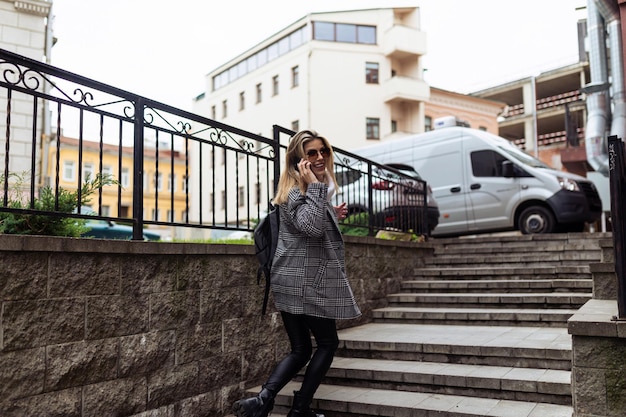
[(227, 170)]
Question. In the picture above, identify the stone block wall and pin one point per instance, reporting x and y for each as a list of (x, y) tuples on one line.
[(599, 346), (92, 328)]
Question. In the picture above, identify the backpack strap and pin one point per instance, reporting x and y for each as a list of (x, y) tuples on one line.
[(274, 225)]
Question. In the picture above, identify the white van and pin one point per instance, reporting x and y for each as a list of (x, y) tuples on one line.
[(484, 183)]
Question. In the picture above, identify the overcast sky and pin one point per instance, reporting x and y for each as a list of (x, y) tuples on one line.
[(162, 49)]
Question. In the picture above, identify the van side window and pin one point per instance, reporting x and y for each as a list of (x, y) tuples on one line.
[(487, 163)]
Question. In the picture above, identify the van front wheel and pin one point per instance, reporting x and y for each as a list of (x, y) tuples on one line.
[(535, 219)]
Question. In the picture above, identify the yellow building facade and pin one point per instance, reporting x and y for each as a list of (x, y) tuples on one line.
[(164, 182)]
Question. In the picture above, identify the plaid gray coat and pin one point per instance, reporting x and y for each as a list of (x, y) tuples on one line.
[(308, 272)]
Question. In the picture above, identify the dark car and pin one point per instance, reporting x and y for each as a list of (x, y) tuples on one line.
[(103, 229), (398, 201)]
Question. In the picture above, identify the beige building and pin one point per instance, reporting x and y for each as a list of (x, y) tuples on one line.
[(25, 29), (537, 112)]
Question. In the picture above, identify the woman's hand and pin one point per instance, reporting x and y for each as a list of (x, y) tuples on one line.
[(307, 175), (341, 211)]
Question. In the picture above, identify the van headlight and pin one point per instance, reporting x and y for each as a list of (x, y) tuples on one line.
[(568, 184)]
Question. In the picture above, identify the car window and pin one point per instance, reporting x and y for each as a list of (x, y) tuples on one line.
[(346, 176)]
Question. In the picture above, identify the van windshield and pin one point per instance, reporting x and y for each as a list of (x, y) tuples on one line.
[(512, 150), (523, 157)]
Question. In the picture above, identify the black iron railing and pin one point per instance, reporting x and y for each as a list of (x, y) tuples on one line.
[(172, 168)]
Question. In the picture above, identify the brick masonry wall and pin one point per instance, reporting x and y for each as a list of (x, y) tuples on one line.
[(108, 328)]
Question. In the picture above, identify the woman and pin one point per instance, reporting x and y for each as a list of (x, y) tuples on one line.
[(308, 277)]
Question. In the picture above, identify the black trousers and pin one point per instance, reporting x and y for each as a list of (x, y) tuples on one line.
[(299, 329)]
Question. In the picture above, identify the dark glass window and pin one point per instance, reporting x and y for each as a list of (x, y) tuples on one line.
[(371, 72), (487, 163), (372, 128), (428, 124)]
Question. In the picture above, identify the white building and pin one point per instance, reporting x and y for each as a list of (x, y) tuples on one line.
[(24, 29), (353, 76)]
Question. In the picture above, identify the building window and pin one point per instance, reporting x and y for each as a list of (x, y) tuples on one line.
[(242, 101), (106, 211), (185, 181), (159, 181), (125, 179), (259, 93), (88, 171), (170, 216), (372, 127), (394, 126), (428, 124), (107, 170), (155, 215), (213, 112), (69, 170), (483, 128), (281, 47), (241, 196), (275, 85), (171, 182), (224, 109), (295, 125), (257, 193), (371, 72), (342, 32), (295, 76)]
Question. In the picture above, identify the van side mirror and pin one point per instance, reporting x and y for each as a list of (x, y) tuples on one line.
[(508, 169)]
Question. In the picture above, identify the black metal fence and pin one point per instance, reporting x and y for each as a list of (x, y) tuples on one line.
[(617, 176), (171, 168)]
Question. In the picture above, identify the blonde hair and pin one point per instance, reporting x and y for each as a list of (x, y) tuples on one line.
[(290, 177)]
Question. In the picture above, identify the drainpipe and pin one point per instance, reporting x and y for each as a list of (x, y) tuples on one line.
[(604, 15)]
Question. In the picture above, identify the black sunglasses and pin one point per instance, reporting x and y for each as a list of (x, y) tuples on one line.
[(312, 153)]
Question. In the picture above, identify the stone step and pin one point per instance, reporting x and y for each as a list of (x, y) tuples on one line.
[(512, 259), (492, 243), (474, 317), (349, 401), (486, 300), (515, 346), (498, 285), (500, 382), (511, 272)]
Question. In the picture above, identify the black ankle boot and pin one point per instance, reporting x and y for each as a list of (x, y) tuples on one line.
[(302, 407), (259, 406)]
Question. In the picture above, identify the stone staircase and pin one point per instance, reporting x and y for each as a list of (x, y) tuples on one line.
[(480, 330)]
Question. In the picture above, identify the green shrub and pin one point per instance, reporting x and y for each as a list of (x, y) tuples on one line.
[(45, 224)]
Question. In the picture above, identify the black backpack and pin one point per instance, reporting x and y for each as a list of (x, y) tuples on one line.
[(265, 241)]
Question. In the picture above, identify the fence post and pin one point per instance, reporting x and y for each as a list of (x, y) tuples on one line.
[(617, 182), (138, 170), (276, 145)]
